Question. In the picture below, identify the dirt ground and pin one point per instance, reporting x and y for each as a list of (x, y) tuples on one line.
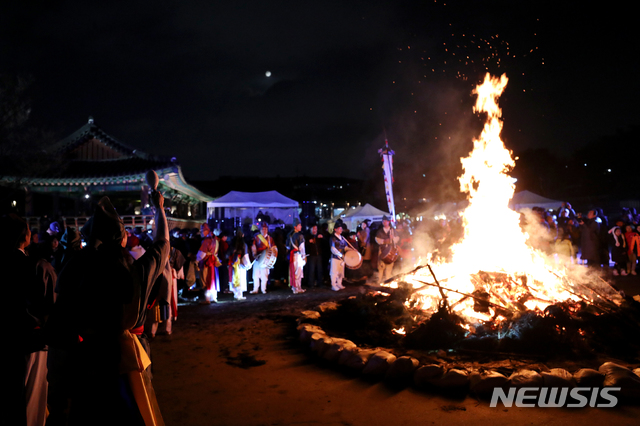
[(239, 363)]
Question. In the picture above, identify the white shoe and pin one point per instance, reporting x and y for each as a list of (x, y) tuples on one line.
[(633, 272), (336, 288), (615, 272), (623, 273)]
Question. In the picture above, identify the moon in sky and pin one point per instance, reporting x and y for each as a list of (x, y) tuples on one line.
[(268, 73)]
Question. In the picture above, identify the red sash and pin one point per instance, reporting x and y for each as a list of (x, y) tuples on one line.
[(292, 266)]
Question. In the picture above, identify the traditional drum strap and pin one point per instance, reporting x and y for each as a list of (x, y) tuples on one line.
[(264, 240), (347, 241), (215, 260), (391, 242), (211, 260)]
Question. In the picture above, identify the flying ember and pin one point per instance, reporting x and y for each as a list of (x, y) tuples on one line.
[(494, 267)]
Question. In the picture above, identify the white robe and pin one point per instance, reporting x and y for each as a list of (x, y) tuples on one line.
[(243, 267)]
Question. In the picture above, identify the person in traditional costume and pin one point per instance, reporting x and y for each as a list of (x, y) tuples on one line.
[(633, 247), (619, 251), (297, 257), (314, 272), (163, 309), (223, 255), (177, 262), (28, 294), (364, 239), (261, 243), (99, 317), (339, 247), (386, 238), (239, 264), (364, 246), (72, 244), (208, 262)]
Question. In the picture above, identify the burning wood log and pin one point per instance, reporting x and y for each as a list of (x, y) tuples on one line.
[(568, 286), (480, 281), (505, 303), (398, 276), (602, 296), (469, 295), (458, 302), (503, 310), (445, 302), (589, 302)]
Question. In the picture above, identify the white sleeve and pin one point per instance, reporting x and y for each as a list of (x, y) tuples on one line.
[(246, 263)]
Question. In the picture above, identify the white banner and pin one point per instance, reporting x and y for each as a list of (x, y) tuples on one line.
[(387, 171)]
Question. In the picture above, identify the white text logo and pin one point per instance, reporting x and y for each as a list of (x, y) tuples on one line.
[(555, 397)]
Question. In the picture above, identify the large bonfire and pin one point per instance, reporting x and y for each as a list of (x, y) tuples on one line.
[(496, 299), (495, 267), (497, 294)]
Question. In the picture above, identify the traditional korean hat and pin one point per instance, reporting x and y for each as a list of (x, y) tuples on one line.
[(296, 222), (264, 224), (385, 217), (106, 223)]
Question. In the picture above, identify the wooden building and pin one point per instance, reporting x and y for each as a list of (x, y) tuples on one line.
[(94, 164)]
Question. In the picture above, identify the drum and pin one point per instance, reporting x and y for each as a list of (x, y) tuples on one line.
[(352, 259), (388, 253), (268, 257)]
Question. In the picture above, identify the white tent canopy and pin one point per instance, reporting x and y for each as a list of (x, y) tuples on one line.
[(247, 205), (447, 210), (357, 215), (527, 199)]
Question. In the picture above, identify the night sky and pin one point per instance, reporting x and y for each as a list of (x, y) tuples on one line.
[(189, 78)]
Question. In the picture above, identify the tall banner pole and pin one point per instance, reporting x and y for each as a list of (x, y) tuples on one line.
[(386, 155)]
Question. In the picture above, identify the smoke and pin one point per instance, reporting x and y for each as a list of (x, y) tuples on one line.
[(562, 255), (432, 129)]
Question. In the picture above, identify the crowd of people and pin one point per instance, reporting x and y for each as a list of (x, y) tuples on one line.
[(94, 297), (269, 256), (591, 239), (85, 305)]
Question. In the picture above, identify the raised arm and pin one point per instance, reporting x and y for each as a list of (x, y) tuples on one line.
[(162, 229)]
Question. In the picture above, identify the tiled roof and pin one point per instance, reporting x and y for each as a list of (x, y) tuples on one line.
[(92, 157), (107, 168), (92, 131)]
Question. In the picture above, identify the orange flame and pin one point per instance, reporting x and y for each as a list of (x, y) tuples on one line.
[(493, 240)]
